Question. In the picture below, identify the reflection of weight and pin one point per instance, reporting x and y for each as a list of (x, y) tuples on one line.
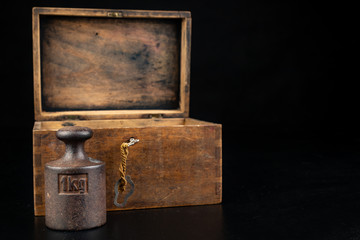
[(73, 184)]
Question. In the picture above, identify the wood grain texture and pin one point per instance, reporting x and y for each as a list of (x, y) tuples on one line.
[(95, 67), (92, 65), (88, 12), (109, 64), (176, 163)]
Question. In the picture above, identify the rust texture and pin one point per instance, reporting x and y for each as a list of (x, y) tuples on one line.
[(75, 192)]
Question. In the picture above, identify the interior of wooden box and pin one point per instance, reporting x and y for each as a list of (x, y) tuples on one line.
[(95, 63), (120, 123)]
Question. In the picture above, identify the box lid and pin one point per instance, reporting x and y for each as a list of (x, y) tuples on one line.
[(108, 64)]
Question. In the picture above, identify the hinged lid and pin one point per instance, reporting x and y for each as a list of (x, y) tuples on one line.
[(106, 64)]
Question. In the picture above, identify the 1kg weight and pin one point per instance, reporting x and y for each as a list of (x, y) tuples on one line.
[(75, 188)]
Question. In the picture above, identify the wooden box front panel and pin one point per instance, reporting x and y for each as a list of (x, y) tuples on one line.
[(176, 163)]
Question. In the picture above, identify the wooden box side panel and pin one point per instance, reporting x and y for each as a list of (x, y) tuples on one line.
[(170, 166)]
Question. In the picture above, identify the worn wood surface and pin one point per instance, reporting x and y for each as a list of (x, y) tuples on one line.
[(176, 163), (105, 64), (116, 63)]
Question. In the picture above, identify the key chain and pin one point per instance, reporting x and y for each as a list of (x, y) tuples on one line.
[(120, 185)]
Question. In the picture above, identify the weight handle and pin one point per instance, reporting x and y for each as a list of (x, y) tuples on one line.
[(74, 133)]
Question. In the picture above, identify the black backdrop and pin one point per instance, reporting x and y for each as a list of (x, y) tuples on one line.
[(282, 78)]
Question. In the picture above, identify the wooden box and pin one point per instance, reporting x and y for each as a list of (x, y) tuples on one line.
[(124, 73)]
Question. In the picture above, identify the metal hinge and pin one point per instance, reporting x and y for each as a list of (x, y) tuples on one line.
[(115, 14)]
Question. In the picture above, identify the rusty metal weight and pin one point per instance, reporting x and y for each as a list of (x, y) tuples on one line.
[(75, 187)]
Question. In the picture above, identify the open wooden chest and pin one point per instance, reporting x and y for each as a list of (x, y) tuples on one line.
[(124, 73)]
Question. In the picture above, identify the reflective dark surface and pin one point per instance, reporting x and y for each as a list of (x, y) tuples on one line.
[(174, 223), (285, 189)]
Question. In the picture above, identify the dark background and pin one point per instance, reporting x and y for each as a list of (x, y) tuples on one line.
[(282, 78)]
